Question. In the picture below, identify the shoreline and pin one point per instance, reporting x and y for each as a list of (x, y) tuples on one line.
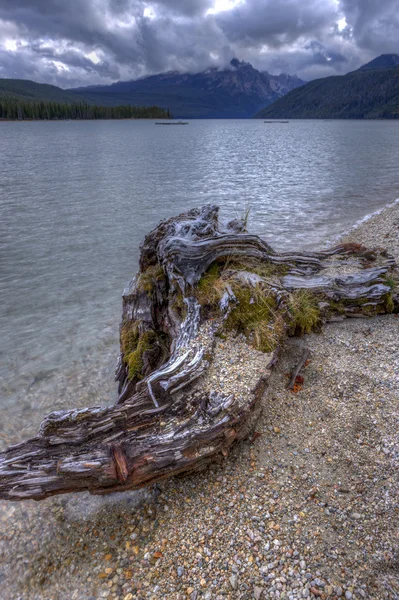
[(307, 509), (357, 228), (66, 120)]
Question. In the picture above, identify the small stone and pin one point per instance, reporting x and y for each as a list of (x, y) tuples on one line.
[(329, 590), (233, 581), (257, 592), (356, 516), (128, 596), (338, 591), (348, 595), (180, 571)]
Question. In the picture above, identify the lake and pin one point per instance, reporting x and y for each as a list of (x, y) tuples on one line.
[(76, 198)]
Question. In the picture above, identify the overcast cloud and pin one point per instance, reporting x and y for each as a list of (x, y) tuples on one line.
[(83, 42)]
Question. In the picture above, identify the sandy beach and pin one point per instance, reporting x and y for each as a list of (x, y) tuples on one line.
[(308, 508)]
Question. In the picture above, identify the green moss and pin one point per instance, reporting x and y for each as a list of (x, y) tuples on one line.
[(212, 284), (390, 282), (149, 279), (263, 268), (256, 316), (129, 337), (134, 358), (210, 289), (304, 311), (336, 307), (389, 304)]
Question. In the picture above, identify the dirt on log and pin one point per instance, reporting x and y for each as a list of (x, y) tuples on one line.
[(199, 281)]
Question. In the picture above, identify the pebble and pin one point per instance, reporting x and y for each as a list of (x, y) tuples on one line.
[(338, 591)]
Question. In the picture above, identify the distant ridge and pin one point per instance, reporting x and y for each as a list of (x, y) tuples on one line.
[(371, 92), (385, 61), (21, 99), (24, 89), (235, 92)]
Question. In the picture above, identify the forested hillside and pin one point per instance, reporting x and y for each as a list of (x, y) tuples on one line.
[(23, 89), (21, 99), (372, 92), (15, 109)]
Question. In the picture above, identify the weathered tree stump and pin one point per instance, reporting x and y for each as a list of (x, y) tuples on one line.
[(199, 282)]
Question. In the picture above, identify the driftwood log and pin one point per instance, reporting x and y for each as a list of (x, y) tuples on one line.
[(199, 281)]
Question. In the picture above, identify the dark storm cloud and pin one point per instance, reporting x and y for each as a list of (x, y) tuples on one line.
[(185, 7), (374, 24), (276, 23), (79, 42)]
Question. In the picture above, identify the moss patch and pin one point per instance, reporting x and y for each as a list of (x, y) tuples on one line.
[(263, 268), (256, 316), (133, 347), (209, 288), (391, 282), (212, 284), (389, 304), (134, 358), (304, 312), (149, 279), (129, 337)]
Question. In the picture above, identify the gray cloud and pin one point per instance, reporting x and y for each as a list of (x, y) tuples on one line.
[(99, 41), (276, 23), (374, 24)]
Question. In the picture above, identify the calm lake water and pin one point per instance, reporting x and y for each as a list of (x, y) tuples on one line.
[(77, 198)]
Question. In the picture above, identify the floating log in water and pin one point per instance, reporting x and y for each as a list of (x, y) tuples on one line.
[(199, 281)]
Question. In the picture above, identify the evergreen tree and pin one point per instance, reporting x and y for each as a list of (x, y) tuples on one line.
[(16, 109)]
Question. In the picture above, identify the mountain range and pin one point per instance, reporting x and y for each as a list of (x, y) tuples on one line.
[(236, 92), (371, 92)]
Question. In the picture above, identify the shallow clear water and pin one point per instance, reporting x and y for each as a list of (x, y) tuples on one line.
[(77, 198)]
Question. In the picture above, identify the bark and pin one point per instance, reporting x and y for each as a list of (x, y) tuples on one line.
[(305, 356), (167, 419)]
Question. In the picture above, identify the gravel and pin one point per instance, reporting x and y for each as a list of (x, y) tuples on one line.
[(307, 508)]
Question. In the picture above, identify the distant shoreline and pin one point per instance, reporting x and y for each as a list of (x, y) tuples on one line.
[(387, 120), (67, 120)]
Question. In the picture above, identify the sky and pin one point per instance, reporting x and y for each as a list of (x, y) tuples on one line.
[(83, 42)]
